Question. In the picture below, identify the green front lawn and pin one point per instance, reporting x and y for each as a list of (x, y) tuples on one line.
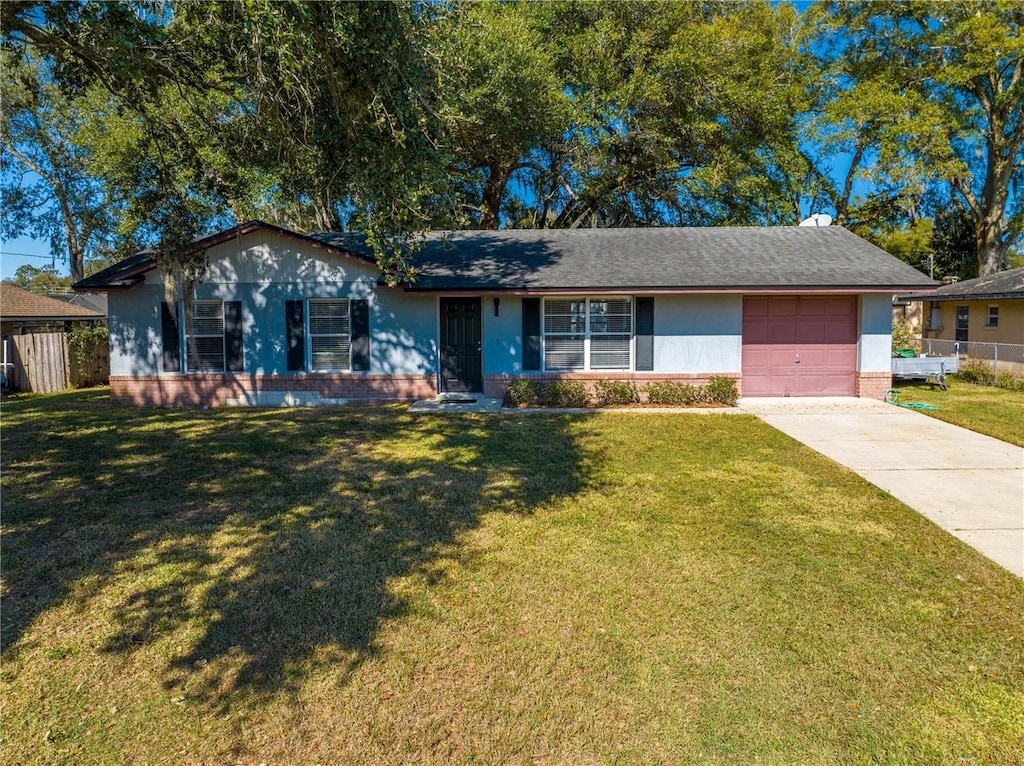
[(992, 411), (367, 586)]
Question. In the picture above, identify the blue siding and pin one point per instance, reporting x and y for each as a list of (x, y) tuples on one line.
[(403, 327)]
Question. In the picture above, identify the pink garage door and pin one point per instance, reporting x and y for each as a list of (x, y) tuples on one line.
[(800, 346)]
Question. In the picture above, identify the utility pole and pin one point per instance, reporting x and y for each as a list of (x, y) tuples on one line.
[(931, 265)]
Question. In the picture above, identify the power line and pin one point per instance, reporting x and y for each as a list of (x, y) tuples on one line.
[(26, 255)]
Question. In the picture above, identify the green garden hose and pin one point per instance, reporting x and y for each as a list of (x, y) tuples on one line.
[(892, 396)]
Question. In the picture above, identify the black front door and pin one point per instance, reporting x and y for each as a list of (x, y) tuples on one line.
[(460, 345)]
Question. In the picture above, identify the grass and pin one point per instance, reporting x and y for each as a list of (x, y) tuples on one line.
[(366, 586), (996, 412)]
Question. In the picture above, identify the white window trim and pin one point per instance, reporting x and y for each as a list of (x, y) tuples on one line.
[(989, 317), (309, 335), (587, 334), (186, 336)]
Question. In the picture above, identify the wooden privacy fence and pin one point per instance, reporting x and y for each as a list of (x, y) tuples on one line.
[(43, 363)]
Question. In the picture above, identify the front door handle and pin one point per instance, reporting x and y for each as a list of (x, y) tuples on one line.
[(798, 358)]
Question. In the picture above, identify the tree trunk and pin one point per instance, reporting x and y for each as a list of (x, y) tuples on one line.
[(77, 258), (991, 246), (494, 190)]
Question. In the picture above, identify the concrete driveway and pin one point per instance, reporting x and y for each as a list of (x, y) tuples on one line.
[(970, 485)]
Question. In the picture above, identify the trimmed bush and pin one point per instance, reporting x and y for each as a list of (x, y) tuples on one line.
[(524, 392), (608, 392), (672, 393), (567, 393), (721, 391)]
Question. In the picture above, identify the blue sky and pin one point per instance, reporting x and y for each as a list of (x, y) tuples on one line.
[(18, 252)]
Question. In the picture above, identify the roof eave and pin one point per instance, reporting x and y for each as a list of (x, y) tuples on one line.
[(963, 296), (667, 290), (133, 277), (52, 318)]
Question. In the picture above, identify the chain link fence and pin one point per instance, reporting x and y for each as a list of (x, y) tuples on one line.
[(1001, 358)]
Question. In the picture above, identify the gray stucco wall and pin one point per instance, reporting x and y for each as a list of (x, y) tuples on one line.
[(874, 348)]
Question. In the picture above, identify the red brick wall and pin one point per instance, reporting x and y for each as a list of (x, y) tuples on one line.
[(873, 385), (215, 389)]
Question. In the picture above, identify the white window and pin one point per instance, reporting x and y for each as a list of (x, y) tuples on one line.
[(330, 339), (565, 327), (611, 327), (206, 343), (588, 333), (993, 317)]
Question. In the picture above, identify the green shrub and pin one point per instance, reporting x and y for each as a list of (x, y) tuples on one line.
[(976, 371), (721, 391), (608, 392), (903, 336), (524, 392), (567, 393), (672, 393), (1007, 381)]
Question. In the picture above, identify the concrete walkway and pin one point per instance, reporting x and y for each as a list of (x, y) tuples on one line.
[(457, 403), (970, 485)]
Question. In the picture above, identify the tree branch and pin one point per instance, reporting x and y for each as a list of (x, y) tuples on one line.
[(28, 163)]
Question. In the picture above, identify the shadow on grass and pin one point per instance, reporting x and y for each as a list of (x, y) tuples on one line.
[(265, 539)]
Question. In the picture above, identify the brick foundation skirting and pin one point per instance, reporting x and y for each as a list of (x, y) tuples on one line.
[(870, 385), (214, 390), (873, 385), (496, 385), (217, 389)]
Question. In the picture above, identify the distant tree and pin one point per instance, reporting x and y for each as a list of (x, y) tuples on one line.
[(936, 91), (910, 241), (683, 113), (331, 105), (44, 279), (503, 98), (45, 184), (953, 244)]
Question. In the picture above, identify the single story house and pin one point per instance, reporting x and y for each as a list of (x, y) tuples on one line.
[(987, 309), (287, 317)]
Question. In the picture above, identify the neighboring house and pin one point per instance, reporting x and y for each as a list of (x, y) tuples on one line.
[(285, 317), (32, 329), (93, 301), (987, 309), (23, 312)]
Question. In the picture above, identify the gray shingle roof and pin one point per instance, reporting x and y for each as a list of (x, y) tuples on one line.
[(16, 303), (669, 259), (707, 259), (122, 275), (1005, 284)]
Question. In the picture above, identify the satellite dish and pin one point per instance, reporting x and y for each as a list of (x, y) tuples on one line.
[(817, 219)]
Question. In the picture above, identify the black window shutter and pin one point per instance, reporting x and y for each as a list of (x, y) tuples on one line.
[(360, 335), (645, 334), (170, 336), (296, 335), (531, 333), (234, 354)]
